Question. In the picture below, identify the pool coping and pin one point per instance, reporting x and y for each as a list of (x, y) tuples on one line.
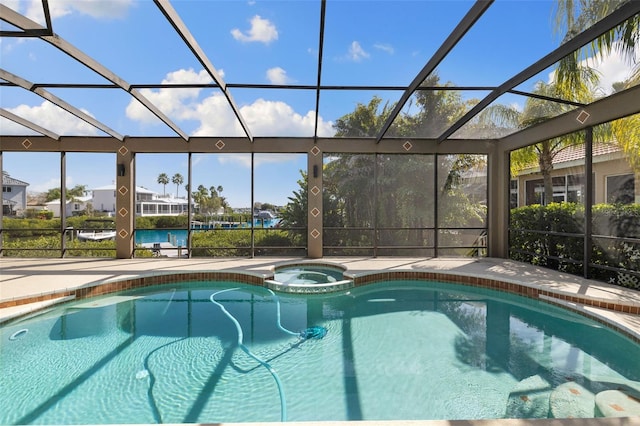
[(607, 305)]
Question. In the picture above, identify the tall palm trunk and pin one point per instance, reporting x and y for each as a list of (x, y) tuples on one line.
[(545, 160)]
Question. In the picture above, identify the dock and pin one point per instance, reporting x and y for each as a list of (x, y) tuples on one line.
[(166, 249)]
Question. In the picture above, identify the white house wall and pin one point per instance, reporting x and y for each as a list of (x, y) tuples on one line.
[(18, 195)]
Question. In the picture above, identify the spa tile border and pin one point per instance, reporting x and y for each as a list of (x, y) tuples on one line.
[(328, 265)]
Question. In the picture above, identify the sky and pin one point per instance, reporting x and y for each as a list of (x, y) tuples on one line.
[(366, 43)]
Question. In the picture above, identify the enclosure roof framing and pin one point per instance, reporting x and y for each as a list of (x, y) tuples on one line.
[(302, 102)]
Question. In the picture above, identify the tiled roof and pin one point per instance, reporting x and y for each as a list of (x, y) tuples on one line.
[(576, 152)]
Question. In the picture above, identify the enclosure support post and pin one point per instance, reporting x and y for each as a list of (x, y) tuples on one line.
[(125, 203), (498, 196), (63, 202), (588, 198), (314, 203)]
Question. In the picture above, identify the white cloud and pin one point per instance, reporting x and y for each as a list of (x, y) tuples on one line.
[(99, 9), (385, 48), (277, 75), (611, 69), (356, 52), (172, 102), (57, 9), (215, 117), (50, 117), (262, 30), (8, 127), (277, 118), (44, 186)]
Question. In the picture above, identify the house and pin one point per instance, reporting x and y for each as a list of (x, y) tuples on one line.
[(14, 195), (74, 207), (148, 203), (613, 179)]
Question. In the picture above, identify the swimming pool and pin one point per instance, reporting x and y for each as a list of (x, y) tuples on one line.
[(392, 350)]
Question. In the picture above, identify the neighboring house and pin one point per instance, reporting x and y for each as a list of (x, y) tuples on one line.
[(36, 202), (614, 180), (148, 203), (74, 207), (14, 195)]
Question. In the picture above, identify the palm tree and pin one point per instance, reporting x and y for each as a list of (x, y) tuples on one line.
[(538, 110), (627, 130), (177, 179), (163, 180), (572, 17)]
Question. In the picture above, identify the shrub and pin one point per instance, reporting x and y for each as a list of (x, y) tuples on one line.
[(531, 239)]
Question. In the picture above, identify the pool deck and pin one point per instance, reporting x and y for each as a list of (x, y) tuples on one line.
[(22, 279)]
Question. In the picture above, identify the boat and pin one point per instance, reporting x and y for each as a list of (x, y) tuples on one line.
[(264, 214), (97, 230)]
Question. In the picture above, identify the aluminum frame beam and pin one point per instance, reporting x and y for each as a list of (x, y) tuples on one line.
[(323, 9), (174, 19), (472, 16), (27, 85), (24, 23), (613, 107), (617, 17), (28, 124)]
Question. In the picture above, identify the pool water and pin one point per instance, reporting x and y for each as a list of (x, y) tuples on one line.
[(394, 350), (307, 274)]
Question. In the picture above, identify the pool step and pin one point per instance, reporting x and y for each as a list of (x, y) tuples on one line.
[(571, 400), (621, 402), (529, 399)]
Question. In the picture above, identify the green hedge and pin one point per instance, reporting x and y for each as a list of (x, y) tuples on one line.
[(566, 252), (234, 243)]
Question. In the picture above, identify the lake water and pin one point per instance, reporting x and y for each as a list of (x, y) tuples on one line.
[(178, 237)]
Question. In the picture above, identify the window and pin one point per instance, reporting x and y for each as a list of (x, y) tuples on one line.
[(513, 193), (621, 189), (6, 189), (569, 188), (535, 190)]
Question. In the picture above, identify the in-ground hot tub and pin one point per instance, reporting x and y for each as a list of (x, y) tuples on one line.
[(309, 277)]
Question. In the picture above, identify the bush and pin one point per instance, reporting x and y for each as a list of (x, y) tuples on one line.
[(531, 240), (223, 243), (161, 222)]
